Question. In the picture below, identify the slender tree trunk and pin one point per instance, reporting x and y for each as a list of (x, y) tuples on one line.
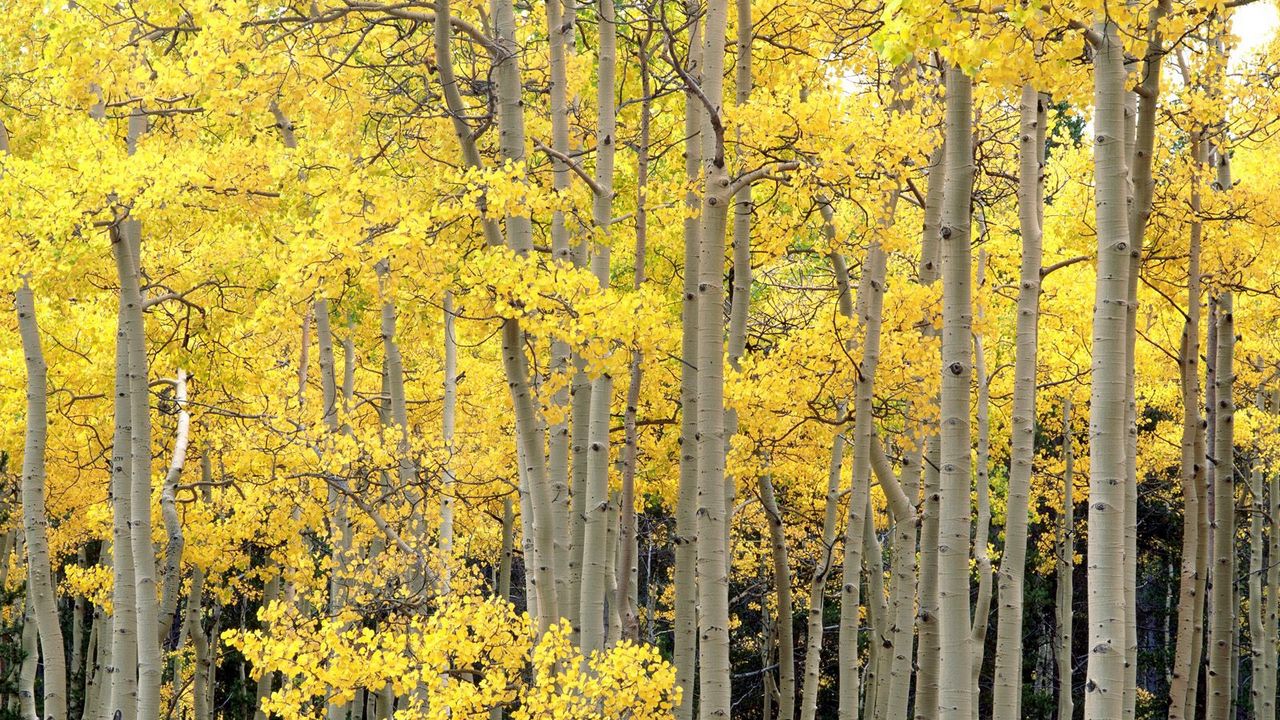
[(870, 303), (1066, 571), (150, 657), (1271, 588), (1140, 158), (598, 509), (1104, 688), (713, 580), (1257, 603), (982, 477), (877, 667), (168, 506), (902, 588), (1007, 692), (30, 662), (956, 696), (782, 589), (448, 421), (122, 670), (1222, 632), (628, 560), (560, 37), (201, 685), (1191, 577), (685, 652), (927, 653), (817, 588), (263, 688), (40, 581)]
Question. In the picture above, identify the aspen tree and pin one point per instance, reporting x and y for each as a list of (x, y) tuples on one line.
[(1007, 692), (1271, 589), (40, 584), (1191, 575), (713, 583), (1141, 151), (955, 698), (982, 486), (1222, 631), (903, 584), (1065, 616), (560, 36), (782, 590), (817, 588), (122, 675), (448, 422), (168, 499), (627, 524), (1258, 634), (740, 293), (128, 268), (519, 229), (27, 670), (597, 508), (927, 652), (685, 652), (869, 306), (1104, 686)]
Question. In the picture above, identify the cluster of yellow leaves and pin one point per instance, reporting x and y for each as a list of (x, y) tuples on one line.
[(468, 656)]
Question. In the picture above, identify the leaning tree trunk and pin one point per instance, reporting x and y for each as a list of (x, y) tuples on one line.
[(1104, 687), (902, 587), (870, 304), (40, 583), (782, 590), (956, 696)]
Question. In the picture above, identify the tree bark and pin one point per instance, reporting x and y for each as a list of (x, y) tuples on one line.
[(1104, 687), (1191, 575), (1063, 606), (1007, 692), (40, 582), (1222, 631), (782, 590), (685, 652), (956, 696), (713, 581), (168, 506)]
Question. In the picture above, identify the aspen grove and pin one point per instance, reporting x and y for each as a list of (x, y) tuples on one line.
[(639, 359)]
